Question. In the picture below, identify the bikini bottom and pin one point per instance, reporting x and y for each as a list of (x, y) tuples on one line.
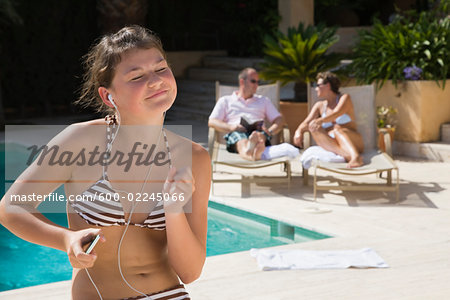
[(175, 292)]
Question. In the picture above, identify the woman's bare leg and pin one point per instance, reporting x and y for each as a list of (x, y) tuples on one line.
[(347, 143), (328, 143), (352, 143)]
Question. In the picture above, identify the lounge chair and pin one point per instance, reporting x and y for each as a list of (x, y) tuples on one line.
[(375, 162), (220, 156)]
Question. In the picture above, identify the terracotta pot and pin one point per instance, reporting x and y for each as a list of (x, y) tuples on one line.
[(293, 113), (381, 131), (422, 107)]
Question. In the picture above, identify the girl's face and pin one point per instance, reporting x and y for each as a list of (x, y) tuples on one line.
[(321, 88), (143, 86)]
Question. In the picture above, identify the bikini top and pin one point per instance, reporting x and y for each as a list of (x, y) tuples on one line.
[(99, 204), (342, 119)]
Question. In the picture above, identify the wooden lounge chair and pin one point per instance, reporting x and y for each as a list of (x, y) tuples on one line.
[(220, 156), (375, 162)]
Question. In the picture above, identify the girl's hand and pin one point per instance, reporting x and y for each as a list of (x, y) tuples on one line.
[(77, 241), (298, 139), (179, 186), (314, 125)]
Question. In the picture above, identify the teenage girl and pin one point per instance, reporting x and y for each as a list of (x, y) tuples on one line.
[(146, 194)]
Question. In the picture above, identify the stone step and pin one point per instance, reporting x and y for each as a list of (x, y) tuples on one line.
[(222, 75), (196, 86), (186, 113), (445, 133), (235, 63), (439, 151), (194, 102)]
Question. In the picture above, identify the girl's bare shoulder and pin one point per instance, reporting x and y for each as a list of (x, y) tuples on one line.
[(81, 133)]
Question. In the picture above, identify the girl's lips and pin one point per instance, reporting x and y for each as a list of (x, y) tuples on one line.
[(157, 94)]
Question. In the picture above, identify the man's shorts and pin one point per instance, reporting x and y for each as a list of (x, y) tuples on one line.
[(235, 136)]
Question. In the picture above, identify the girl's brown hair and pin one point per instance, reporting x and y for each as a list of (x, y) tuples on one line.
[(101, 60)]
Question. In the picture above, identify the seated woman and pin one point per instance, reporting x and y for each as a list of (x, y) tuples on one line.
[(332, 122)]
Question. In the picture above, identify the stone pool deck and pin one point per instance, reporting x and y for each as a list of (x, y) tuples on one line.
[(411, 235)]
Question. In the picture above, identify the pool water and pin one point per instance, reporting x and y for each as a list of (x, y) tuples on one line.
[(232, 230), (229, 230), (25, 264)]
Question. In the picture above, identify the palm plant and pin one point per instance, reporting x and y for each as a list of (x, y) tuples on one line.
[(299, 56)]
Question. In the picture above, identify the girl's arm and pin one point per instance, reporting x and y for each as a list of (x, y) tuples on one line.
[(22, 217), (186, 232), (315, 113)]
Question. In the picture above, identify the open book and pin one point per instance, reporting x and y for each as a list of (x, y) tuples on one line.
[(252, 126)]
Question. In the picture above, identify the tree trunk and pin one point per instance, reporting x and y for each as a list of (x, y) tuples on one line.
[(301, 91), (115, 14)]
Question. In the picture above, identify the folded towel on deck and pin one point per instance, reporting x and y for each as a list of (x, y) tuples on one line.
[(317, 152), (269, 259), (279, 150)]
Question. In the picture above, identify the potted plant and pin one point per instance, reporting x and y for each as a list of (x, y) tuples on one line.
[(409, 61), (385, 123), (297, 57)]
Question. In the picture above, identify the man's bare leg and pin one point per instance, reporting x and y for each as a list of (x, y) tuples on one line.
[(259, 149), (250, 148)]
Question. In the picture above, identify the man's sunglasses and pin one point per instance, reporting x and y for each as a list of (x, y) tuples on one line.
[(254, 81)]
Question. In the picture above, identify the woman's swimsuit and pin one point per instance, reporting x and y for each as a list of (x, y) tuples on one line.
[(341, 120), (100, 205), (176, 292)]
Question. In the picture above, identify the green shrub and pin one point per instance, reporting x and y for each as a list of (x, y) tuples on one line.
[(299, 55), (389, 51)]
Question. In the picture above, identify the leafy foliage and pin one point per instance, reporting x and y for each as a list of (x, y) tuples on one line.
[(420, 41), (8, 14), (299, 55), (385, 116)]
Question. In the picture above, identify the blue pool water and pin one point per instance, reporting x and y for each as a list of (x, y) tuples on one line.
[(25, 264), (229, 230)]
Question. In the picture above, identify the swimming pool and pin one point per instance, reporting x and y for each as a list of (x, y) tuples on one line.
[(229, 230)]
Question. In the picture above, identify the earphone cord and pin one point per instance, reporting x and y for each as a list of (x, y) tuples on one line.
[(129, 217), (128, 224)]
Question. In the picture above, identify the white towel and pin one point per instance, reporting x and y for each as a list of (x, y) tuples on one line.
[(317, 152), (268, 259), (280, 150)]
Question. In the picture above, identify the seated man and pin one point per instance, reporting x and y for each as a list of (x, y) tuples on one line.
[(226, 117)]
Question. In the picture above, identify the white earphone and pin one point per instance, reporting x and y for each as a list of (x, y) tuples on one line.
[(111, 100)]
